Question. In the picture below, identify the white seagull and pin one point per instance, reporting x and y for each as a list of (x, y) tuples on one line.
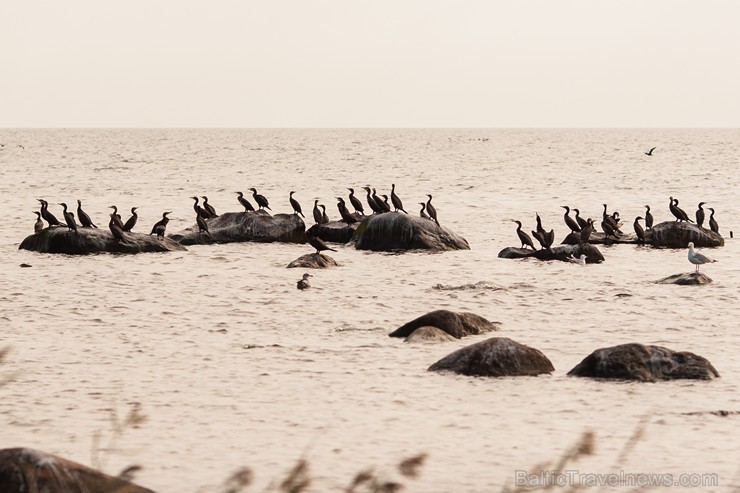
[(697, 258), (580, 261)]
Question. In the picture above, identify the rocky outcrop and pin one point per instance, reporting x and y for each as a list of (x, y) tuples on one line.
[(670, 234), (686, 279), (313, 261), (429, 334), (599, 238), (395, 231), (257, 226), (28, 470), (90, 240), (495, 357), (562, 252), (455, 324), (643, 363), (335, 231)]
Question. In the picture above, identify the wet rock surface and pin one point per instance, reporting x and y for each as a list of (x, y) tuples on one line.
[(669, 234), (91, 240), (335, 231), (395, 231), (686, 279), (562, 253), (455, 324), (428, 334), (313, 261), (257, 226)]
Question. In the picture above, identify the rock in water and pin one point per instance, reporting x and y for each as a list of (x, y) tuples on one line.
[(313, 261), (258, 226), (429, 334), (562, 253), (455, 324), (89, 240), (28, 470), (396, 231), (643, 363), (674, 234), (495, 357), (686, 279), (335, 231)]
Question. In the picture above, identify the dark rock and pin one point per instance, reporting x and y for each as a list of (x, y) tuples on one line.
[(335, 231), (456, 324), (562, 252), (394, 231), (673, 234), (599, 238), (686, 279), (495, 357), (89, 240), (429, 334), (28, 470), (644, 363), (313, 261), (258, 226)]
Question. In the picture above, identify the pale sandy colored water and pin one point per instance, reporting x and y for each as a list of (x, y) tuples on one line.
[(233, 366)]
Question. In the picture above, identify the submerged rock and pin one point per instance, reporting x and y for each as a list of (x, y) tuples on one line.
[(686, 279), (455, 324), (90, 240), (495, 357), (335, 231), (670, 234), (643, 363), (394, 231), (429, 334), (562, 252), (28, 470), (258, 226), (313, 261)]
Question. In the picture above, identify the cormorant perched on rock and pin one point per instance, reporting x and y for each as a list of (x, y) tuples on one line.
[(581, 222), (324, 217), (638, 230), (569, 221), (431, 210), (383, 205), (202, 224), (318, 244), (260, 199), (296, 206), (606, 218), (700, 215), (39, 224), (116, 216), (356, 204), (316, 212), (397, 204), (248, 207), (83, 217), (386, 206), (304, 283), (608, 229), (679, 213), (115, 229), (371, 201), (422, 213), (697, 258), (131, 220), (545, 238), (199, 211), (523, 237), (48, 216), (161, 225), (586, 231), (208, 207), (69, 218), (648, 218), (713, 222), (346, 216)]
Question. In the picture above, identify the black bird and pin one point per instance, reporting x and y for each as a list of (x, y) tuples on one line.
[(383, 205), (344, 212), (581, 222), (422, 213), (316, 212), (199, 211), (587, 230), (39, 224), (397, 204), (371, 202), (648, 218), (545, 238), (244, 202), (324, 217), (638, 230), (115, 229), (83, 217), (117, 216), (523, 237), (431, 210), (713, 222), (606, 218), (608, 229), (569, 221), (386, 205), (131, 220), (260, 199), (304, 283), (48, 216), (208, 207), (318, 244), (677, 211), (650, 152), (296, 206), (202, 224), (356, 204), (161, 225), (69, 218), (700, 214)]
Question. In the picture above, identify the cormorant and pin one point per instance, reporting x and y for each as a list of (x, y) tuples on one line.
[(48, 216), (431, 210), (199, 211), (545, 238), (679, 213), (569, 221), (423, 214), (83, 217), (318, 243), (581, 222), (69, 218), (638, 230), (161, 225), (371, 202), (304, 283), (713, 222), (610, 220), (208, 207), (248, 207), (116, 216), (324, 217), (115, 229), (700, 214), (316, 212), (131, 220), (202, 224), (397, 204), (296, 206), (260, 199), (648, 218), (523, 237), (650, 152), (608, 229), (356, 204), (586, 232), (346, 216), (384, 207), (39, 224), (697, 258)]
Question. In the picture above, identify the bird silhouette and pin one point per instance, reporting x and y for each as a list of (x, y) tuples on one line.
[(650, 152)]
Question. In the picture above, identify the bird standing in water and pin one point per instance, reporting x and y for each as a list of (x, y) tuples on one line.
[(304, 283)]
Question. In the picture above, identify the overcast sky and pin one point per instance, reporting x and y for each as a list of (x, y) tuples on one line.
[(374, 63)]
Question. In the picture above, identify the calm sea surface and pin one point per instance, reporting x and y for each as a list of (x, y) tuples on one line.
[(232, 366)]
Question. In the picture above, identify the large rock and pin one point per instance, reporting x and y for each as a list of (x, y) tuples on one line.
[(89, 240), (495, 357), (686, 279), (313, 261), (395, 231), (456, 324), (562, 252), (428, 334), (644, 363), (258, 226), (673, 234), (599, 238), (335, 231), (28, 470)]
